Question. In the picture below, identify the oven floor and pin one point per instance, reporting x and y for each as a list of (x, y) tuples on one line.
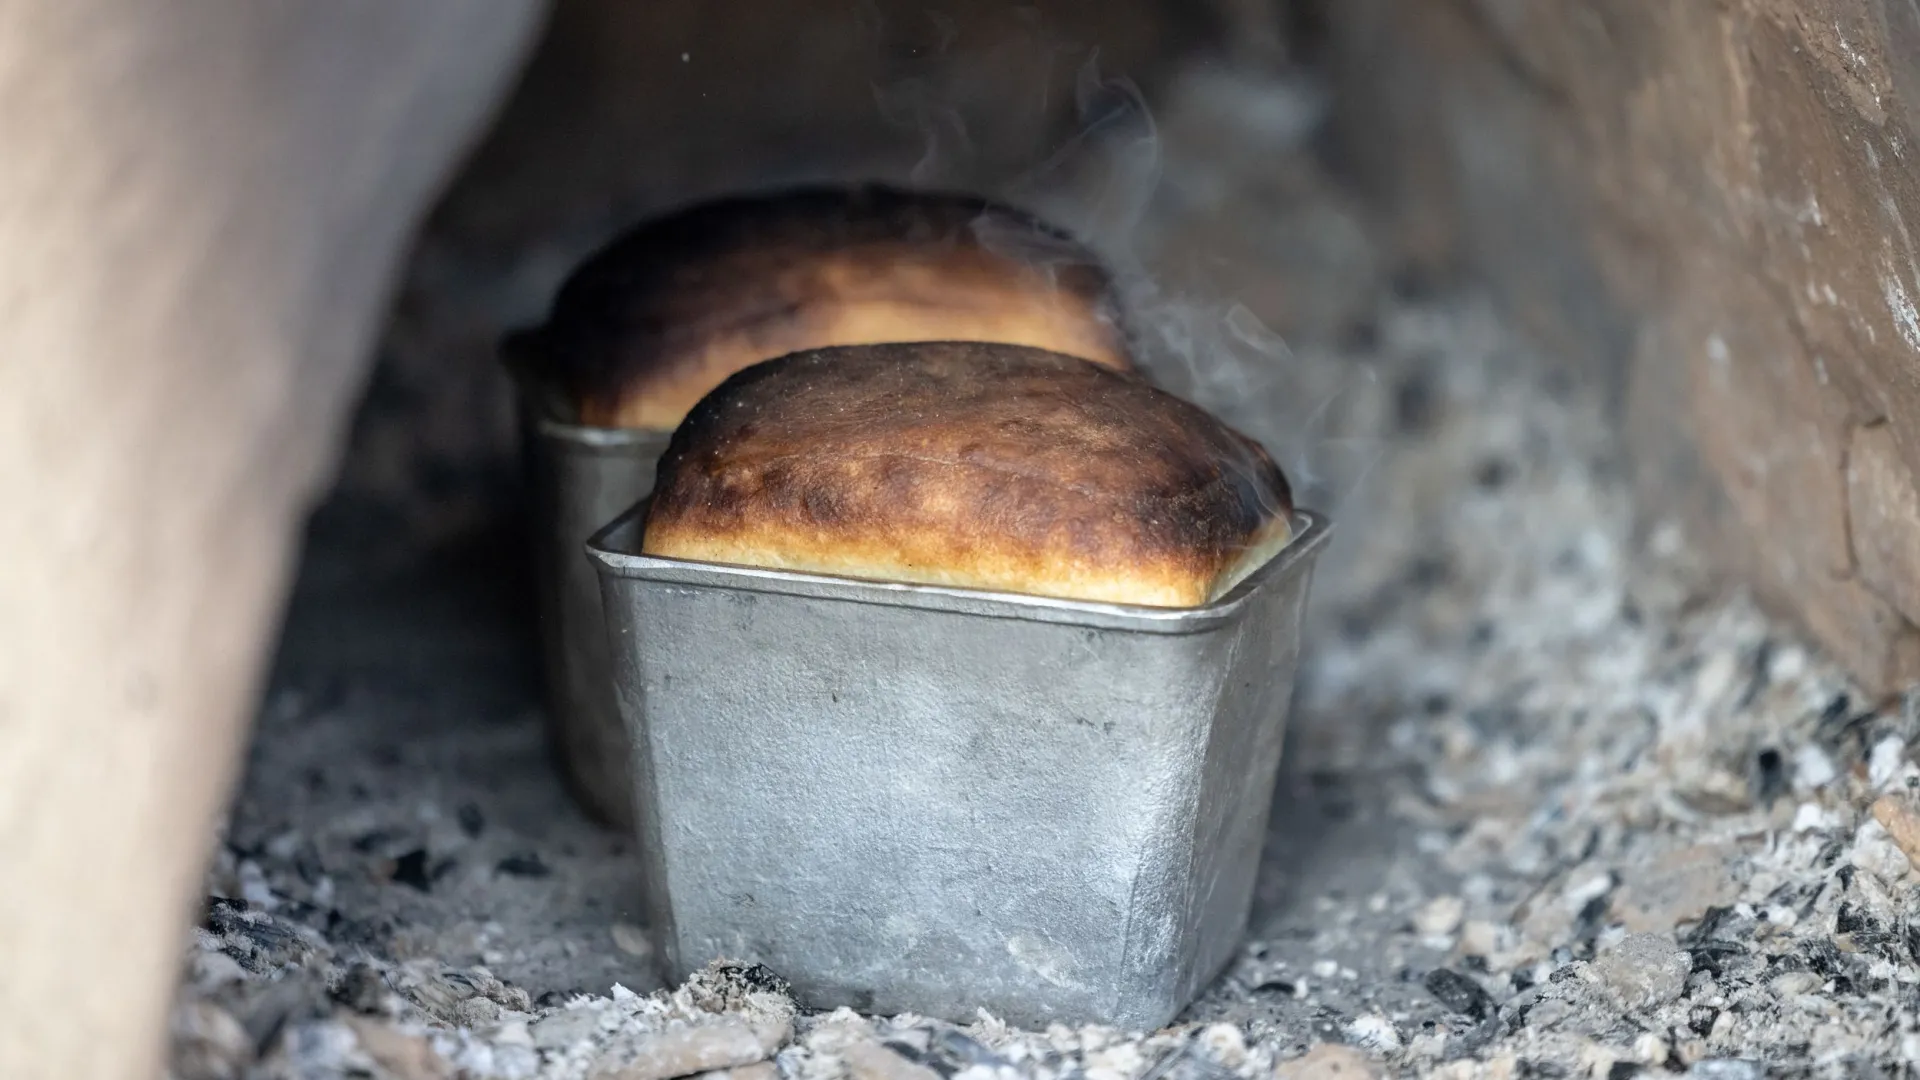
[(1547, 810)]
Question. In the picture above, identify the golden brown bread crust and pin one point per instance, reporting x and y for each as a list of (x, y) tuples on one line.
[(975, 465), (653, 321)]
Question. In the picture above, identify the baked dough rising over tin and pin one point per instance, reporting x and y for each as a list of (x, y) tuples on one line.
[(651, 322), (972, 465)]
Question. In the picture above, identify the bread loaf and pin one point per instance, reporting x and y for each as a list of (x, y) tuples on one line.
[(657, 318), (967, 464)]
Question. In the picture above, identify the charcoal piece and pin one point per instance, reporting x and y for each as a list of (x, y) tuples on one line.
[(222, 912), (1767, 780), (958, 1047), (1519, 1009), (368, 842), (755, 977), (361, 989), (1836, 710), (1713, 957), (1824, 958), (472, 822), (411, 870), (1460, 993), (528, 866), (1587, 924), (256, 940), (1710, 927)]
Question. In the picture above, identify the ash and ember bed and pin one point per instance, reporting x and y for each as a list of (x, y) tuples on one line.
[(1547, 807)]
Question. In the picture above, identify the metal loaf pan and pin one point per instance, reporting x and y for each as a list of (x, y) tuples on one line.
[(906, 798), (581, 479)]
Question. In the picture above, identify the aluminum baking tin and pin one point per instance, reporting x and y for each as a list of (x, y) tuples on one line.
[(581, 479), (906, 798)]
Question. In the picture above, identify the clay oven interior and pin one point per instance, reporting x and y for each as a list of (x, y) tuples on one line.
[(1592, 323)]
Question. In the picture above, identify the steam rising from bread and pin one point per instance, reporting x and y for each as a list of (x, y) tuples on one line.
[(1108, 183)]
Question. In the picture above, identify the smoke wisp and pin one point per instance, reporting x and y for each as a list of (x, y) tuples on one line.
[(1114, 186)]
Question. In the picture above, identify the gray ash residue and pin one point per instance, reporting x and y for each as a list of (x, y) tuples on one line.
[(1548, 810)]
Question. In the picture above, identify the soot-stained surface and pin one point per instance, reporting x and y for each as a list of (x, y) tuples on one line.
[(1547, 810)]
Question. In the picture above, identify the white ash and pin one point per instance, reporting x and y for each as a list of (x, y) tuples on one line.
[(1524, 793), (1532, 773), (1644, 971)]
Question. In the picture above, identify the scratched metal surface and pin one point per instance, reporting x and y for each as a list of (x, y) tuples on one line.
[(916, 799), (579, 479)]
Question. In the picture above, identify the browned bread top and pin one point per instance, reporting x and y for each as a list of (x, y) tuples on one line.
[(650, 323), (974, 465)]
